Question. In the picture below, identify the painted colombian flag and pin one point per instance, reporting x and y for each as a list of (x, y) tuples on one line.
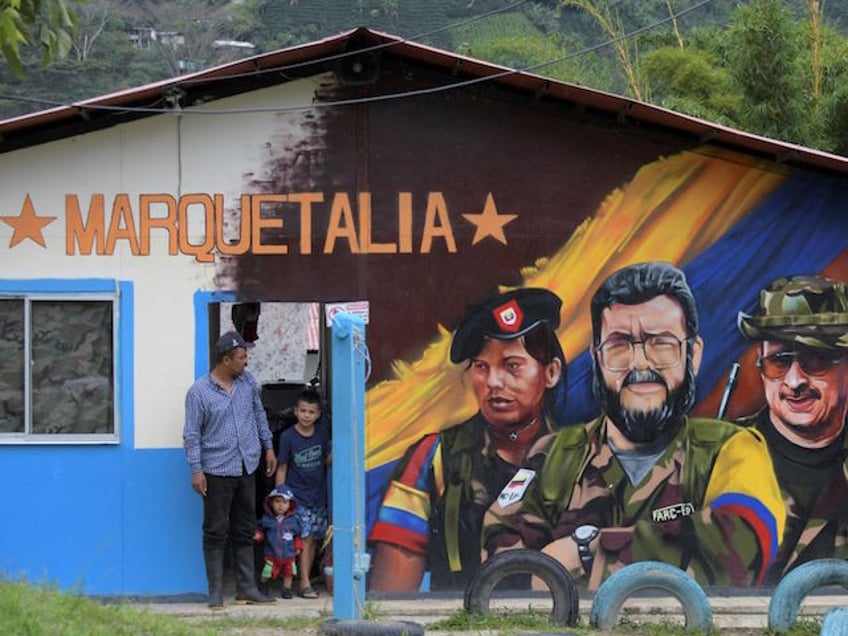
[(733, 224), (759, 517), (737, 487), (403, 517), (799, 228)]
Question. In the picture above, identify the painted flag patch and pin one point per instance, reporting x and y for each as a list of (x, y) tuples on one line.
[(516, 487)]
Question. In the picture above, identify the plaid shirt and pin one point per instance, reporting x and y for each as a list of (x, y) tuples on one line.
[(225, 433)]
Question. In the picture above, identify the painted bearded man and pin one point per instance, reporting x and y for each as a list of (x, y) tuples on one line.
[(644, 481)]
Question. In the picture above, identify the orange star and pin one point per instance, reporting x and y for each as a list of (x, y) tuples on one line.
[(27, 225), (489, 223)]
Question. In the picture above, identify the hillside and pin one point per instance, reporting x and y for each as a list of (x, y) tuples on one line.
[(607, 44)]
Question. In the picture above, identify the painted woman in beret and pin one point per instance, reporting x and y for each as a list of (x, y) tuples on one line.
[(432, 514)]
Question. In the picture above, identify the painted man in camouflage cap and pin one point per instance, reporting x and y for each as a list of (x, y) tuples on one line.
[(431, 515), (644, 481), (801, 323)]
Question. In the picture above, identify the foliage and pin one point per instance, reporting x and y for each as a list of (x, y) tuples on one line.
[(827, 109), (764, 62), (110, 66), (509, 40), (837, 116), (48, 25), (691, 81), (608, 17), (773, 67)]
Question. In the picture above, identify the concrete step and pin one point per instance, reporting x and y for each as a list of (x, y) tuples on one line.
[(729, 612)]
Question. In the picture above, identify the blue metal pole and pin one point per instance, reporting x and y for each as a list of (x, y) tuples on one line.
[(350, 560)]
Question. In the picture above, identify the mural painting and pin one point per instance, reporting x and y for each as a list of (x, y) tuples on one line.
[(632, 461), (642, 481), (553, 380), (799, 330), (517, 370), (590, 337)]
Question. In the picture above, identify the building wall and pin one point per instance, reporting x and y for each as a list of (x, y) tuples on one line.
[(421, 207)]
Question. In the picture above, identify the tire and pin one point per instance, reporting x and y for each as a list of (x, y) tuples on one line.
[(794, 587), (338, 627), (647, 575), (566, 601), (835, 622)]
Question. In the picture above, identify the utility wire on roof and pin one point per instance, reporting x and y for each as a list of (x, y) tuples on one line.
[(375, 47), (328, 58), (374, 98)]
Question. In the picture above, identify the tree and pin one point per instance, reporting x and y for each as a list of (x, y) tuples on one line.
[(608, 18), (92, 20), (187, 31), (48, 24), (825, 74), (690, 80), (764, 58)]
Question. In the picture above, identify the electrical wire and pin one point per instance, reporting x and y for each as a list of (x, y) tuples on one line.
[(368, 49), (384, 97), (329, 58)]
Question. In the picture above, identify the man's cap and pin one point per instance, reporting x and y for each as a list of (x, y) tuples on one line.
[(505, 317), (229, 341), (806, 310), (282, 491)]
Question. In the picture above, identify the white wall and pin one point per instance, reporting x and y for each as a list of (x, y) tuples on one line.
[(170, 154)]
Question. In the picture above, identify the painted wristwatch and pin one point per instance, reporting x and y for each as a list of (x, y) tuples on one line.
[(583, 536)]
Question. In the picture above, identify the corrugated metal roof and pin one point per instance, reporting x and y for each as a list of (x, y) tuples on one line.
[(243, 75)]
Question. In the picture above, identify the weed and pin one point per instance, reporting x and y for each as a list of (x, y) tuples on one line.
[(504, 622)]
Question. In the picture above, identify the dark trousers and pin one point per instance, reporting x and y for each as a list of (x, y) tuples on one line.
[(229, 511)]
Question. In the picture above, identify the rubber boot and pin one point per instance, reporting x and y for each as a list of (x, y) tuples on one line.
[(246, 578), (214, 559)]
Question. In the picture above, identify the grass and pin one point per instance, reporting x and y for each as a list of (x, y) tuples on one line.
[(507, 623), (35, 611), (230, 624), (510, 622)]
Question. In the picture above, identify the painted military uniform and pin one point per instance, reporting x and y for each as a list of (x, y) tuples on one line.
[(805, 313), (814, 485), (437, 496), (710, 504)]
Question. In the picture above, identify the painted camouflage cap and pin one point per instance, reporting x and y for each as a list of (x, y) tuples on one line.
[(808, 310), (505, 317)]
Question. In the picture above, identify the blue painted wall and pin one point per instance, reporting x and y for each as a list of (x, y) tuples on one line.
[(102, 519)]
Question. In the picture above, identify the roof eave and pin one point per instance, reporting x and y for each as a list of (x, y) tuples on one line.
[(367, 39)]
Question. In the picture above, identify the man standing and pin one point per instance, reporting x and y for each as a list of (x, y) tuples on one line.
[(431, 516), (802, 325), (643, 481), (224, 433)]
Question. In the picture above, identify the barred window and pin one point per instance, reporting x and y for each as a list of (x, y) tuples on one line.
[(57, 380)]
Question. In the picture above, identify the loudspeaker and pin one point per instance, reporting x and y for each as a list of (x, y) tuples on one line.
[(358, 69)]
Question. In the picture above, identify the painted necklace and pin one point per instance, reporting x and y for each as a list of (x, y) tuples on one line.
[(513, 435)]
